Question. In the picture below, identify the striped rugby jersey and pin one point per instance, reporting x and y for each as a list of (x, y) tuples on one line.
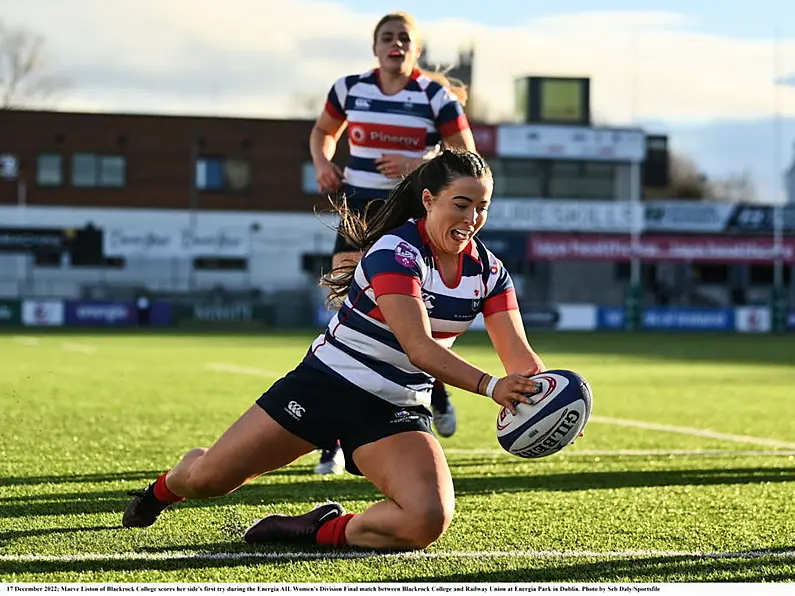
[(409, 122), (360, 347)]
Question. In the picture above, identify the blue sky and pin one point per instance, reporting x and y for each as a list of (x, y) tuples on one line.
[(737, 18), (701, 71)]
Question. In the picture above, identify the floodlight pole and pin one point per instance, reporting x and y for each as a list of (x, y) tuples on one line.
[(634, 312), (779, 298)]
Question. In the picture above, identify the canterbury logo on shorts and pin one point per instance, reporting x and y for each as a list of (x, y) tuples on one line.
[(295, 410)]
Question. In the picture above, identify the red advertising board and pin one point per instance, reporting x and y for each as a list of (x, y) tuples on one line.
[(485, 138), (618, 247)]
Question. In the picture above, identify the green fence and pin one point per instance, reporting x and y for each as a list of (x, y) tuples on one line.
[(10, 313)]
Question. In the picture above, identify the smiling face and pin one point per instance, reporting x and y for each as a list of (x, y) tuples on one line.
[(396, 45), (457, 212)]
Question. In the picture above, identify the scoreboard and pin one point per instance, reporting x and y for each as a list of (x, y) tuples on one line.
[(554, 100)]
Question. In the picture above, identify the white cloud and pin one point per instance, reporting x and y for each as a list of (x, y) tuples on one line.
[(256, 58)]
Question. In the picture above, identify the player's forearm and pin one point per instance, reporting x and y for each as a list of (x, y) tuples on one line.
[(447, 366), (523, 363), (322, 146)]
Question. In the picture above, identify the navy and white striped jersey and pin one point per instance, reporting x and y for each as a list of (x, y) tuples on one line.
[(360, 347), (409, 122)]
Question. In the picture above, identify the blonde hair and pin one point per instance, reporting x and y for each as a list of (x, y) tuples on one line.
[(455, 86)]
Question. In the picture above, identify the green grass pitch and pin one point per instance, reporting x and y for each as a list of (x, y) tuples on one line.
[(686, 472)]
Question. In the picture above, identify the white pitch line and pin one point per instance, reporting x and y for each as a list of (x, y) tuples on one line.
[(287, 556), (242, 370), (696, 432), (637, 452), (26, 341), (76, 347)]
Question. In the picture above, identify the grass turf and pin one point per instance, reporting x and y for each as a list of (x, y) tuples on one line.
[(86, 417)]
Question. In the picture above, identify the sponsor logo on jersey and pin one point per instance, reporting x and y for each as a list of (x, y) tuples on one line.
[(384, 136)]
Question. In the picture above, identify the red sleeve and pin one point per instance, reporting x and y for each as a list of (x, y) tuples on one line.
[(396, 283), (448, 129), (334, 112), (500, 302)]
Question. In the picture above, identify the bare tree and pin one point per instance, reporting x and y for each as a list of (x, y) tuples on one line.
[(735, 188), (307, 105), (25, 76), (686, 180)]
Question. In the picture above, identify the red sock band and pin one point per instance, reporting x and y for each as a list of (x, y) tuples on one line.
[(162, 492), (332, 533)]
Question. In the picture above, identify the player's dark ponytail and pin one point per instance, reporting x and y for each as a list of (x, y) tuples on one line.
[(403, 203)]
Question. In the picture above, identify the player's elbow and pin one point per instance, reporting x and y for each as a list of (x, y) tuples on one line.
[(421, 354)]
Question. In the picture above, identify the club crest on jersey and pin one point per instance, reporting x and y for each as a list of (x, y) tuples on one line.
[(405, 255)]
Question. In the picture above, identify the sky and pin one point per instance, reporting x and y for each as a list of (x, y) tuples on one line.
[(702, 71)]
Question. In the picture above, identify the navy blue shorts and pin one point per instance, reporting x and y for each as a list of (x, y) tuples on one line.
[(358, 201), (323, 408)]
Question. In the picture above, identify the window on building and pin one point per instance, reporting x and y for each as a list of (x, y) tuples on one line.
[(47, 259), (222, 174), (9, 166), (111, 171), (220, 264), (49, 170), (519, 178), (113, 263), (308, 180), (711, 274), (579, 180), (622, 271), (764, 275), (563, 179), (90, 170)]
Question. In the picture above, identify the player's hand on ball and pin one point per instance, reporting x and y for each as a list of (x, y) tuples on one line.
[(515, 388)]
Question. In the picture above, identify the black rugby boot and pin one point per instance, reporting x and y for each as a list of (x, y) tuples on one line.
[(292, 528)]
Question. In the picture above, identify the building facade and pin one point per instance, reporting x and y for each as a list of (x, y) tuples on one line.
[(180, 204), (156, 162)]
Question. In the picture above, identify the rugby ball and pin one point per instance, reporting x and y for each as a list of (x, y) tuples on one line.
[(563, 406)]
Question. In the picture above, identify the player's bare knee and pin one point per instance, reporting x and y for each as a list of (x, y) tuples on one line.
[(426, 522)]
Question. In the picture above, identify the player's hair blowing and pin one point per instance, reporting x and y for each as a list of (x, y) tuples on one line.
[(455, 86), (403, 203)]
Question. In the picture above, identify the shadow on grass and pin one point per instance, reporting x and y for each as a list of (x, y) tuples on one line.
[(641, 569), (77, 478), (313, 490), (34, 532), (145, 475)]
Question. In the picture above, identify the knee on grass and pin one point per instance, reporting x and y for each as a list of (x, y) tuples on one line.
[(424, 524)]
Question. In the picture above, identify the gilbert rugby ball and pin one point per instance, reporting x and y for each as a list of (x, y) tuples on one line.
[(558, 417)]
